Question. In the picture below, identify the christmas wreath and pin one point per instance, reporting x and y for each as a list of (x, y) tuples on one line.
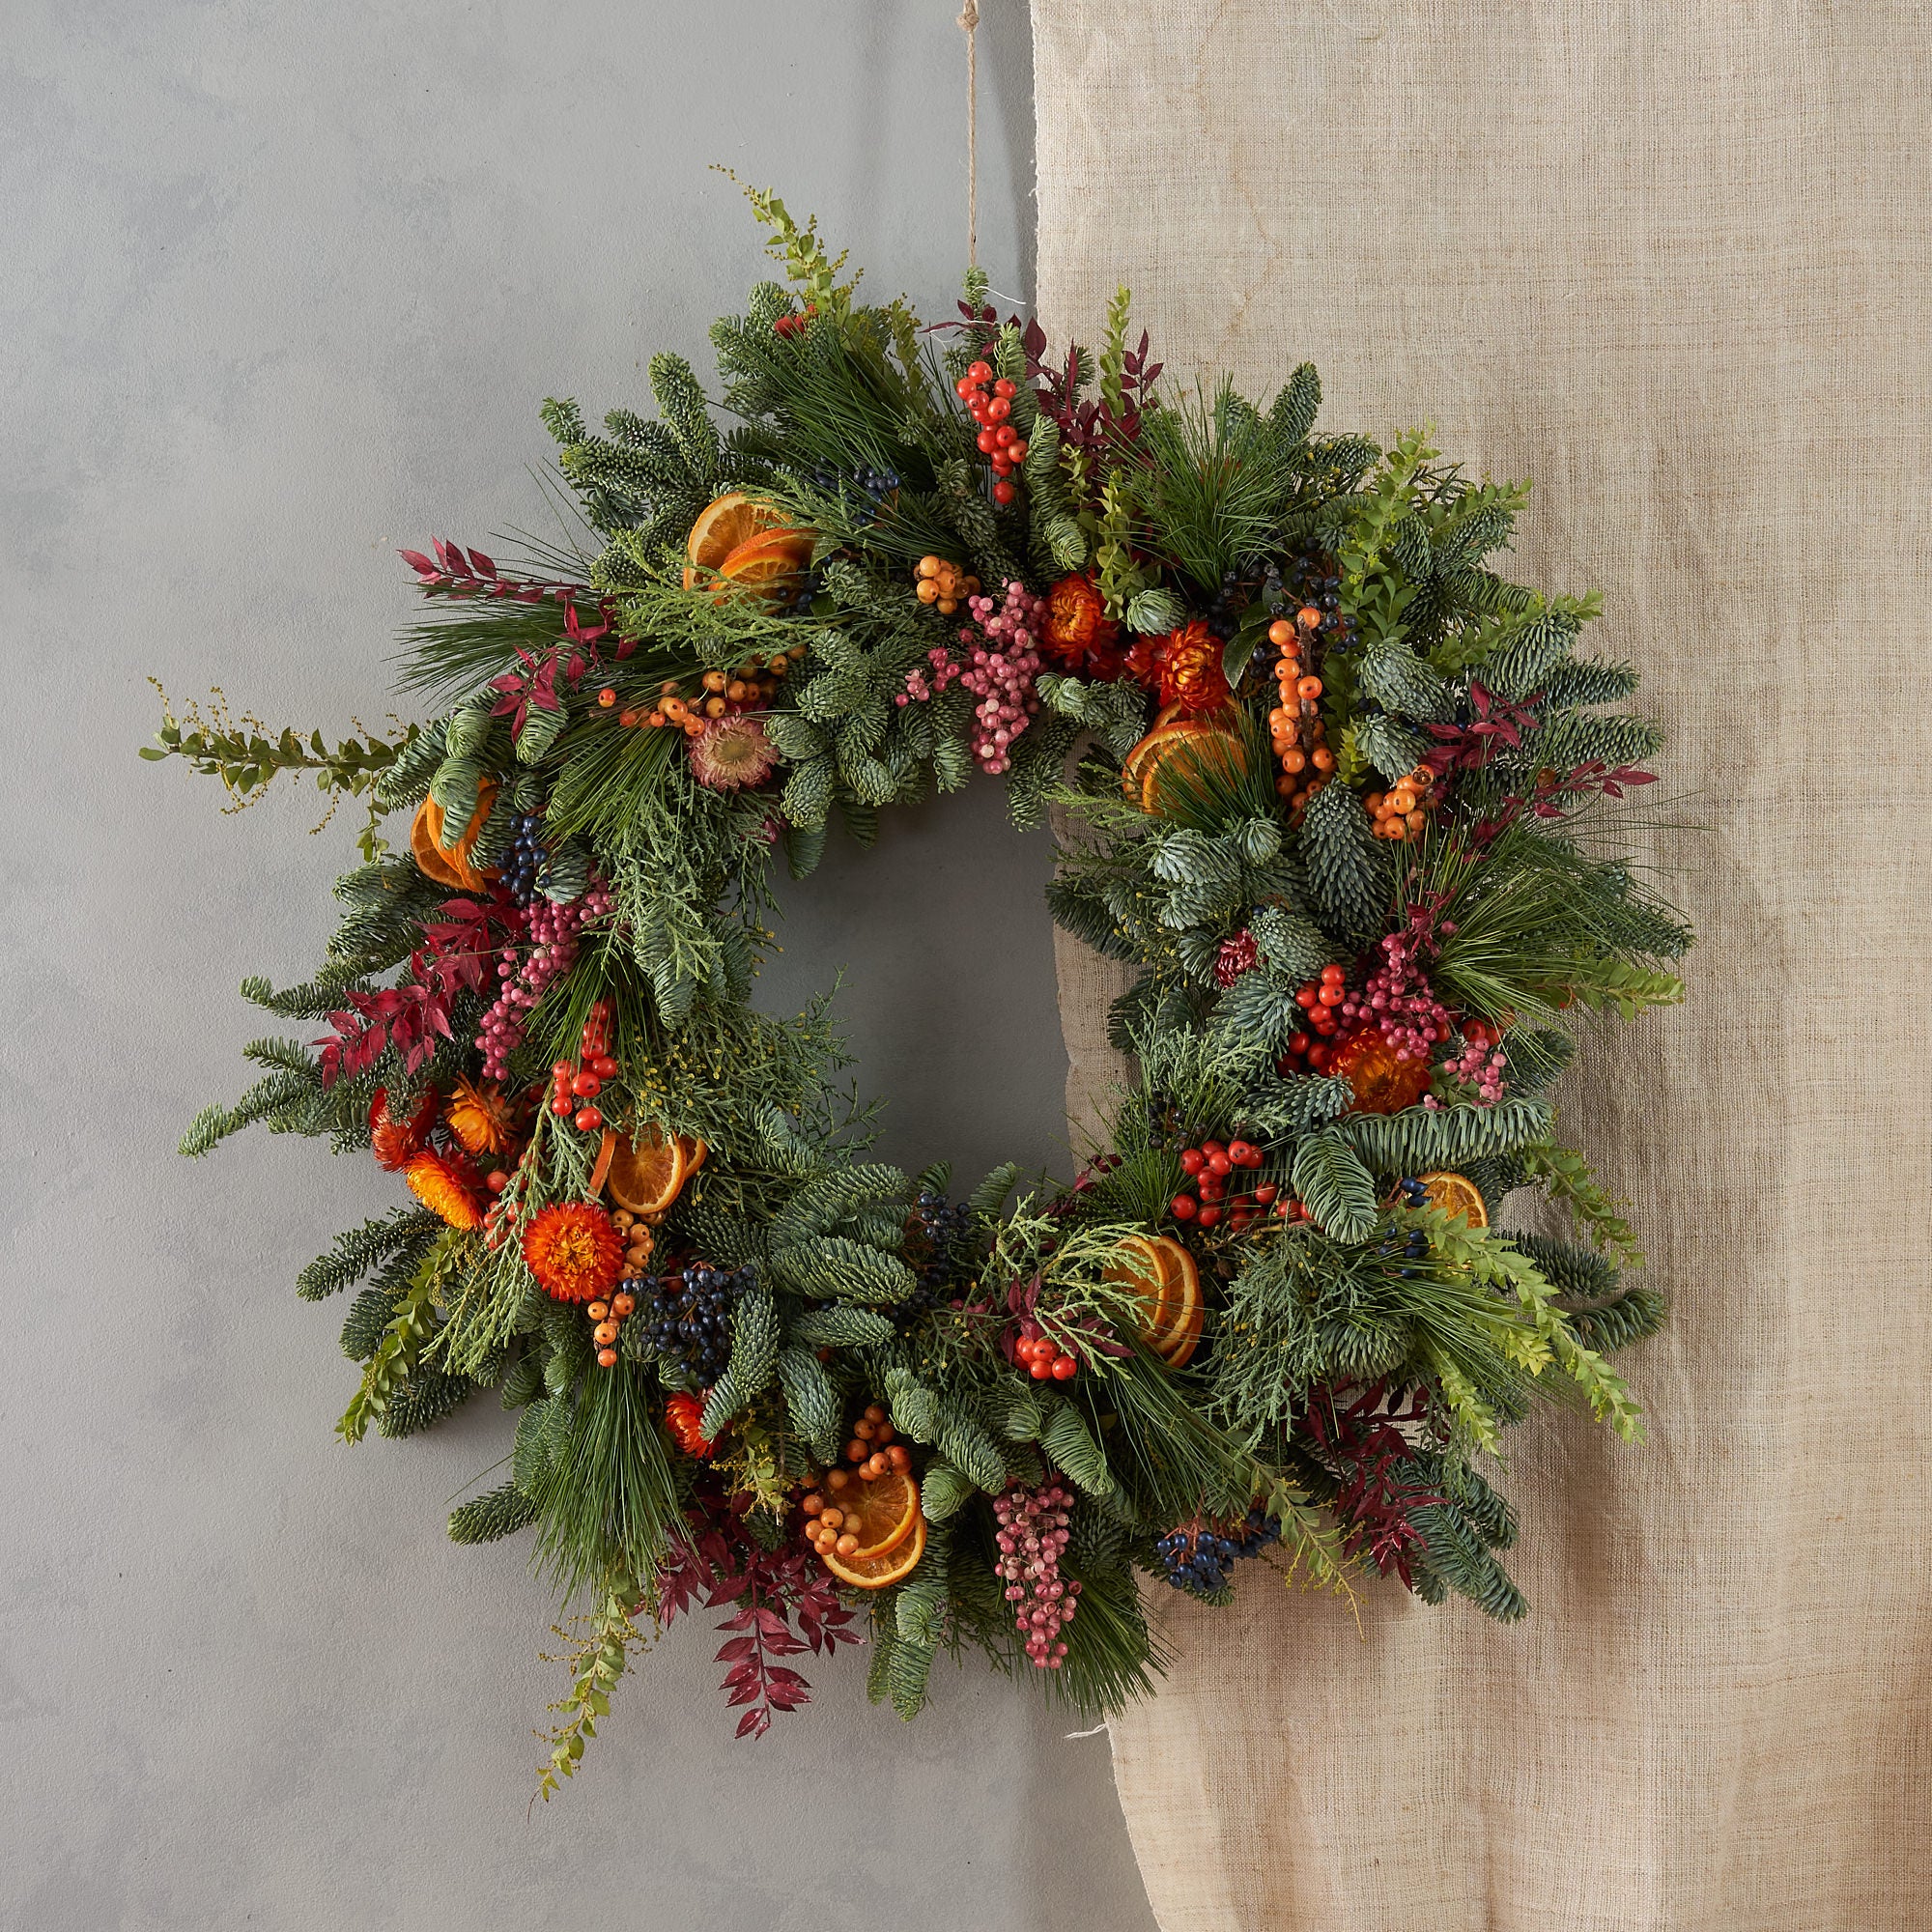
[(1339, 795)]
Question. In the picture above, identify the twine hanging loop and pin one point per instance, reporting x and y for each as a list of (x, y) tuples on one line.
[(969, 21)]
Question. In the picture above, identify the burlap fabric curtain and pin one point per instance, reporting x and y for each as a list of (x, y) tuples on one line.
[(1669, 257)]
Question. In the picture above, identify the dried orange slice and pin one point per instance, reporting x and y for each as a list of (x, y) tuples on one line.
[(606, 1151), (878, 1572), (694, 1152), (880, 1513), (451, 867), (1456, 1194), (1184, 1329), (1134, 767), (1179, 1349), (1140, 1265), (647, 1174), (722, 526), (1194, 751), (765, 564)]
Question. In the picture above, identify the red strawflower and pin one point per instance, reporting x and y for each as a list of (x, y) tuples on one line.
[(392, 1141), (1079, 635), (684, 1417), (1190, 670), (574, 1251), (446, 1185)]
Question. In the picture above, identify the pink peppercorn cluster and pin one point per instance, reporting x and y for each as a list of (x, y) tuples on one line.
[(1399, 1003), (1479, 1065), (553, 933), (1000, 667), (1031, 1536)]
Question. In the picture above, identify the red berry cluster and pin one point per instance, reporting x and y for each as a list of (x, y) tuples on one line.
[(1319, 1000), (1209, 1168), (999, 441), (792, 322), (1042, 1356), (573, 1088)]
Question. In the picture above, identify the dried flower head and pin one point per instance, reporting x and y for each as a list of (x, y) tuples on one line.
[(444, 1184), (479, 1117), (731, 753), (574, 1250)]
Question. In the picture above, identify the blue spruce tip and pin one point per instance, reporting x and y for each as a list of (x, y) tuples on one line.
[(1202, 1561)]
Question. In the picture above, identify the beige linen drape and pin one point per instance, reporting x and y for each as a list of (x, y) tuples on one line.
[(1669, 257)]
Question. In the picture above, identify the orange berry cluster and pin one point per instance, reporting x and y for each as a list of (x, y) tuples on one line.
[(721, 695), (1403, 811), (607, 1319), (1295, 724), (942, 583), (828, 1520), (638, 1241)]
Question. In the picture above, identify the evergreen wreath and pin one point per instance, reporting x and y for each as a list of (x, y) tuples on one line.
[(1339, 790)]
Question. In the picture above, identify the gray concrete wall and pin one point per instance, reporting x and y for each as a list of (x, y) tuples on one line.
[(282, 285)]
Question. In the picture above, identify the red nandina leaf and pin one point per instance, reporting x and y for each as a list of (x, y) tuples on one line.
[(754, 1723), (739, 1646), (417, 562), (481, 564)]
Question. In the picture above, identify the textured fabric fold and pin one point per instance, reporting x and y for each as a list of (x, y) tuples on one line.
[(1671, 261)]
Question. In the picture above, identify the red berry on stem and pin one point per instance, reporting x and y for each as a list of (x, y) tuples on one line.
[(1210, 1216), (1003, 494), (964, 387), (604, 1066), (585, 1085), (1192, 1160), (562, 1105), (1266, 1194), (1063, 1367), (1041, 1368), (588, 1119), (1184, 1207), (1002, 387), (1219, 1163), (981, 372)]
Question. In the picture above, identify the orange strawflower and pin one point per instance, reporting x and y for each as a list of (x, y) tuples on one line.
[(574, 1251), (1079, 635), (393, 1140), (479, 1117), (684, 1417), (1190, 668), (1385, 1082), (443, 1187)]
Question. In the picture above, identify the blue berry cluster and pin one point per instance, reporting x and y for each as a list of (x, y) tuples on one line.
[(873, 485), (1202, 1561), (688, 1316), (1224, 612), (1413, 1195), (523, 863), (946, 1228)]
